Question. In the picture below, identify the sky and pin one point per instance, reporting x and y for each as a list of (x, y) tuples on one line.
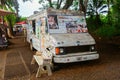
[(27, 8)]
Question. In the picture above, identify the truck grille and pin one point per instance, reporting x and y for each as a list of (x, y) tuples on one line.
[(76, 49)]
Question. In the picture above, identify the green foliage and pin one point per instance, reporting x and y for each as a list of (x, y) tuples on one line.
[(51, 3), (23, 18), (106, 31), (94, 24), (116, 15), (58, 4), (11, 19), (107, 19), (44, 4), (95, 10), (91, 23), (18, 19), (75, 5), (96, 7)]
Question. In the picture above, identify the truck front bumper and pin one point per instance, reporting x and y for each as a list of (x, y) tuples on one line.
[(75, 58)]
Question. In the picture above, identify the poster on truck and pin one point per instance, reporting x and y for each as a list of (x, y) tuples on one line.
[(67, 24), (52, 21)]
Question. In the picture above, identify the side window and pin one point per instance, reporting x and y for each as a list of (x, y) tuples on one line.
[(46, 26), (33, 26), (38, 27)]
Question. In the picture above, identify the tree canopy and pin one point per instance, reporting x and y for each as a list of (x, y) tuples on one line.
[(94, 10)]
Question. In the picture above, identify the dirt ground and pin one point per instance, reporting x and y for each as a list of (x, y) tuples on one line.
[(15, 64)]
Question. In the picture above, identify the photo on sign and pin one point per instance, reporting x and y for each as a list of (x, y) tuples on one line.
[(52, 22), (75, 25), (73, 28)]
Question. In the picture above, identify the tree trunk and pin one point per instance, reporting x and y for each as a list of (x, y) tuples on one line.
[(67, 4), (10, 29), (9, 33), (59, 3), (83, 5), (50, 3), (109, 17)]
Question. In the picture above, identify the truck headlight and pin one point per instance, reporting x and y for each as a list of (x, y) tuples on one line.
[(92, 48), (59, 50)]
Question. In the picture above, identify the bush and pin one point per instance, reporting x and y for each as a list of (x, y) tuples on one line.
[(106, 31), (90, 24), (93, 24)]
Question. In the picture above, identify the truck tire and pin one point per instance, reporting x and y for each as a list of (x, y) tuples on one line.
[(6, 47), (55, 67)]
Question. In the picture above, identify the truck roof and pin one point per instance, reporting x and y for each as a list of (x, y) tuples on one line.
[(51, 11)]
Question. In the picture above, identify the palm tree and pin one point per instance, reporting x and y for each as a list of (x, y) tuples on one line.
[(7, 5), (96, 7), (11, 3)]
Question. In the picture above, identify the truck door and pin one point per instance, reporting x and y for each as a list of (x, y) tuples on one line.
[(37, 36)]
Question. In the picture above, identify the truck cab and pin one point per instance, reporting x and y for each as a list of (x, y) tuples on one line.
[(61, 35)]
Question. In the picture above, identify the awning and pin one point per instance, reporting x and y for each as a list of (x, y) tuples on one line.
[(22, 22), (5, 12)]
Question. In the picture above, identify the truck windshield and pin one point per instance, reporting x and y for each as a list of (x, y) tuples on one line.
[(66, 24)]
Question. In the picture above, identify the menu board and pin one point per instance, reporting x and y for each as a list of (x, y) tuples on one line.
[(66, 24)]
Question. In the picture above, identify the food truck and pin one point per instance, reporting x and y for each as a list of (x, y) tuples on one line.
[(62, 35)]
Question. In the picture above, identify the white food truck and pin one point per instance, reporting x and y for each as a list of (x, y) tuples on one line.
[(63, 33)]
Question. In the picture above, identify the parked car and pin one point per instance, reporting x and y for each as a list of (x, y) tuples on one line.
[(3, 39)]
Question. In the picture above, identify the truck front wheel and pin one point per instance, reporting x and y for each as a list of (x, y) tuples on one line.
[(55, 66)]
